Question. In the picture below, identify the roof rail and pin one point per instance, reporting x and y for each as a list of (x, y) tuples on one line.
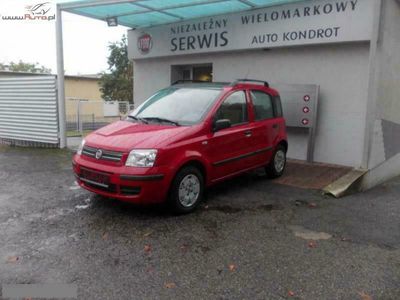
[(237, 81), (189, 80)]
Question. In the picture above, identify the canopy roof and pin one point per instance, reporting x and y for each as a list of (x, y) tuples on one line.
[(146, 13)]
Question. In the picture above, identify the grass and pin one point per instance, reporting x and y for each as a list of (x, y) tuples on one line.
[(72, 133)]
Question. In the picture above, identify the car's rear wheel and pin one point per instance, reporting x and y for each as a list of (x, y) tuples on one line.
[(186, 190), (277, 165)]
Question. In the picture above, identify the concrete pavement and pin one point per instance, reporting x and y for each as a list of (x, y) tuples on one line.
[(251, 239)]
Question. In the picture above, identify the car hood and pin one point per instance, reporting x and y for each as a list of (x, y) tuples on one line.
[(125, 136)]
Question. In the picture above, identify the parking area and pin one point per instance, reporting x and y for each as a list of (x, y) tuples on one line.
[(251, 239)]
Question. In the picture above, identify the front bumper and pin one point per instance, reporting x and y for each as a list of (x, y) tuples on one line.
[(135, 185)]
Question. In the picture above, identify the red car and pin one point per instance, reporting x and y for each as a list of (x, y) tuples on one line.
[(183, 139)]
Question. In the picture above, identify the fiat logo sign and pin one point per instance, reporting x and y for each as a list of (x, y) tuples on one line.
[(99, 154), (145, 43)]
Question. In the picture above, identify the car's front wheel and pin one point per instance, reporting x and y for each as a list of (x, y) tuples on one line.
[(277, 165), (186, 190)]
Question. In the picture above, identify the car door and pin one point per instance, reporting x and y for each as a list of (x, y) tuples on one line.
[(265, 128), (228, 148)]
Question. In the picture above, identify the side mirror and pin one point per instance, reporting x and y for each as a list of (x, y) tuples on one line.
[(221, 124)]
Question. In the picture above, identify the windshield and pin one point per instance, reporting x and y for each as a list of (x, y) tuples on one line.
[(182, 106)]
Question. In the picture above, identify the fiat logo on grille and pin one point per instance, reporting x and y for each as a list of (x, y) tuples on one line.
[(145, 43), (99, 154)]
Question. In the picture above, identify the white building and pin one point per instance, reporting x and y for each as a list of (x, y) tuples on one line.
[(349, 48)]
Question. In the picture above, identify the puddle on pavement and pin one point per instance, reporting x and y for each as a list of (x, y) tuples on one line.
[(270, 207), (301, 202), (204, 249), (51, 243), (233, 210), (75, 186), (226, 209), (53, 214), (84, 206), (307, 234)]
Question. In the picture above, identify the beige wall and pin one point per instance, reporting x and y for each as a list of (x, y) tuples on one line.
[(86, 108), (84, 89)]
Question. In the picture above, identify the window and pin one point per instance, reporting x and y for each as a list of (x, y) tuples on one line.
[(262, 104), (187, 106), (278, 107), (234, 108)]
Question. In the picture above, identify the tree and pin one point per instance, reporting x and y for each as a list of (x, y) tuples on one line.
[(25, 67), (117, 83)]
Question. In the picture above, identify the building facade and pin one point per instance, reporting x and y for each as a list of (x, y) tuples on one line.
[(348, 48)]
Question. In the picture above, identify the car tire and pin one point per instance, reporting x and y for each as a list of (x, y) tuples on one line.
[(276, 166), (186, 190)]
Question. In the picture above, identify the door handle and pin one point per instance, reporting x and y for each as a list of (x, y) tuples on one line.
[(248, 133), (275, 126)]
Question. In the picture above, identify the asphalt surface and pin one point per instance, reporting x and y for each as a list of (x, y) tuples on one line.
[(251, 239)]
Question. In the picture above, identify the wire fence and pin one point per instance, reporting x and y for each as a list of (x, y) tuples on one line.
[(85, 116)]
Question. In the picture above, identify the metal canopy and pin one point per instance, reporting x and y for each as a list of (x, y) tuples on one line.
[(146, 13)]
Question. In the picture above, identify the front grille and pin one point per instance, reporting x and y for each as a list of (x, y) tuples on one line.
[(106, 154), (110, 189)]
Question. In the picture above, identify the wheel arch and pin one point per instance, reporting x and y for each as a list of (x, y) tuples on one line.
[(195, 163), (285, 144)]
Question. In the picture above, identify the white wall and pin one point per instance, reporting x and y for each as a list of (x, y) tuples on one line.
[(341, 70), (384, 159)]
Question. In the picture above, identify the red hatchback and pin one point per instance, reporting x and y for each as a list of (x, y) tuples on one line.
[(183, 139)]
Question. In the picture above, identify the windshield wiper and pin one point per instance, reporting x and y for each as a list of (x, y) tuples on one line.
[(157, 119), (138, 119)]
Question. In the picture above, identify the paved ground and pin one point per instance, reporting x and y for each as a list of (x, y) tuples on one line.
[(250, 240)]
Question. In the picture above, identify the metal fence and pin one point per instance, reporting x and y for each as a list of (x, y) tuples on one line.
[(87, 116), (28, 110)]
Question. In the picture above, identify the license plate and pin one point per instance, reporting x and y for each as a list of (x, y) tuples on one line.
[(95, 176)]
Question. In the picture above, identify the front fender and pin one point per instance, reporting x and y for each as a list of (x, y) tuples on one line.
[(191, 156)]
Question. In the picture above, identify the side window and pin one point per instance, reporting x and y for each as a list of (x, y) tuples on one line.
[(278, 107), (262, 104), (234, 108)]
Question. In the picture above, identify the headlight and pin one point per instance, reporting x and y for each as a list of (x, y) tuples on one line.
[(80, 148), (141, 158)]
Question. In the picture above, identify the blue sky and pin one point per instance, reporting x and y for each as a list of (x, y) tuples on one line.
[(85, 40)]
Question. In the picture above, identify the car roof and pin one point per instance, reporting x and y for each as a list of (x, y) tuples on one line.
[(206, 85), (240, 83)]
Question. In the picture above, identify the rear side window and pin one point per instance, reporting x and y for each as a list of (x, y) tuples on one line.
[(234, 108), (278, 107), (263, 107)]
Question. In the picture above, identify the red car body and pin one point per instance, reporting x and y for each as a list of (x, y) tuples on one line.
[(218, 155)]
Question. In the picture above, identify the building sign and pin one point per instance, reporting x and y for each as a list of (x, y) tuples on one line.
[(302, 23)]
